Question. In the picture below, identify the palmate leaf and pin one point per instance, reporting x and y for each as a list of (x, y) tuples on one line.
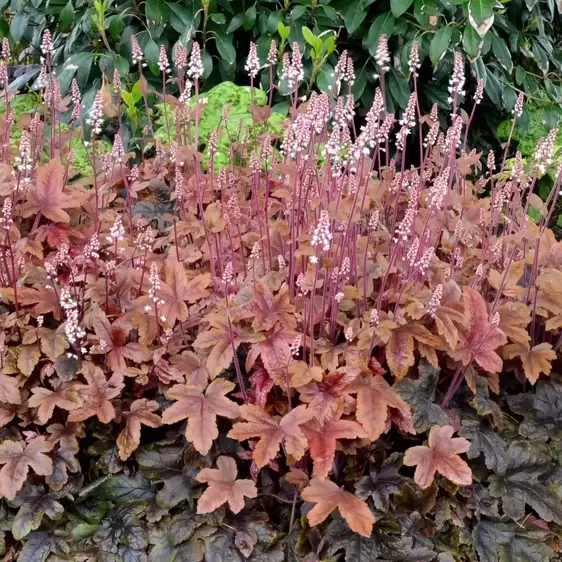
[(322, 436), (39, 545), (273, 431), (122, 529), (382, 482), (420, 395), (176, 544), (442, 456), (201, 411), (166, 464), (48, 195), (379, 546), (34, 502), (224, 487), (527, 465), (542, 411), (479, 340), (496, 540), (17, 457), (484, 440), (328, 496), (141, 411)]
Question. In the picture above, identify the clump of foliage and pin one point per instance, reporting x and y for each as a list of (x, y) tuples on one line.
[(316, 353), (512, 46)]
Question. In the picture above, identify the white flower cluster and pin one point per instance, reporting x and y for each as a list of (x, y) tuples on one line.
[(72, 328)]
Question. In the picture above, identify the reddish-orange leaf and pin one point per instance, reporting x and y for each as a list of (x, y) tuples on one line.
[(223, 487), (327, 497), (442, 456), (272, 430), (140, 412), (177, 290), (47, 195), (201, 411), (17, 457), (96, 395), (335, 387), (479, 339), (322, 436), (269, 310), (400, 352), (64, 396), (276, 355), (536, 360), (374, 398), (114, 342), (218, 337)]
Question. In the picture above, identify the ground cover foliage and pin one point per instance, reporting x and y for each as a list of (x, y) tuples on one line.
[(311, 353)]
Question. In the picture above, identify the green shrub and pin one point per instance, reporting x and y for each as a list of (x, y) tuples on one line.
[(511, 46)]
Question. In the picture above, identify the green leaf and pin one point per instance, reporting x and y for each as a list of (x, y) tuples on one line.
[(66, 15), (501, 52), (121, 488), (521, 483), (484, 440), (235, 23), (34, 503), (354, 16), (439, 44), (493, 87), (383, 24), (225, 47), (152, 52), (156, 10), (480, 10), (309, 37), (19, 24), (398, 7), (399, 88), (382, 482), (481, 15), (420, 395), (283, 30), (298, 12), (218, 18), (472, 42), (178, 488), (180, 17), (250, 17)]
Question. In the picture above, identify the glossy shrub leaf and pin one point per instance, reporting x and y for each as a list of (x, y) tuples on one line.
[(439, 44), (472, 42), (398, 7), (354, 15)]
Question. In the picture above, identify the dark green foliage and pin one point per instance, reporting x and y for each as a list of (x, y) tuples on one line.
[(512, 47)]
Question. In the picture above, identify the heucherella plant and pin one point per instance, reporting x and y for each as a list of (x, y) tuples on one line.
[(347, 337)]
